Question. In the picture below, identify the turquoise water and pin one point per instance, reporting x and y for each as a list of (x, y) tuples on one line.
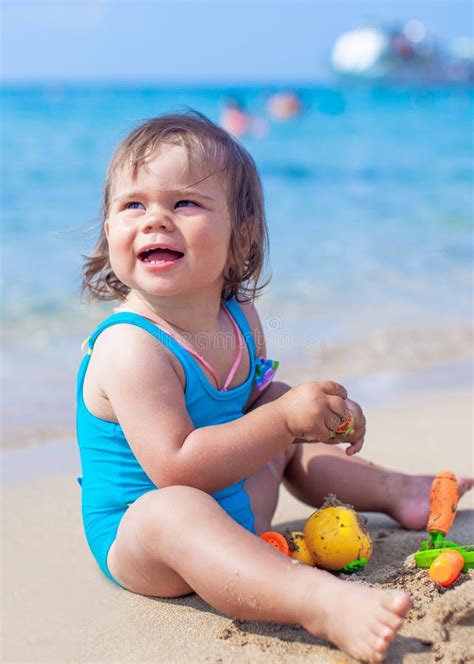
[(368, 194), (369, 202)]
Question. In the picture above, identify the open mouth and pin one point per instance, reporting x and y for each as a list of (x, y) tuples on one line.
[(159, 255)]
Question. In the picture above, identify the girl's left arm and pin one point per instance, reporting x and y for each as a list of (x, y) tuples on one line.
[(355, 438)]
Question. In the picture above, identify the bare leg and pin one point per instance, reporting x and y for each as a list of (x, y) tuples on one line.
[(178, 539), (311, 471), (317, 470)]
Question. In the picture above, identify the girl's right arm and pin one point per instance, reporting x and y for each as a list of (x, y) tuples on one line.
[(147, 398)]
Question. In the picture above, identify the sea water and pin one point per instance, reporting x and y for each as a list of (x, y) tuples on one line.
[(369, 207)]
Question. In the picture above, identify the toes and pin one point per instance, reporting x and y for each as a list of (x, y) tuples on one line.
[(369, 651), (397, 602), (384, 632), (378, 648), (391, 620), (375, 644)]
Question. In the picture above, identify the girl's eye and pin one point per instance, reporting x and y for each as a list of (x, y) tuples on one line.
[(134, 205), (185, 203)]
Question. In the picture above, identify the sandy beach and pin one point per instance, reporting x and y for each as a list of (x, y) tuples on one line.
[(57, 607)]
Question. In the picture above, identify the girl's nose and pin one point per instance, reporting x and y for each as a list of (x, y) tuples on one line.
[(157, 220)]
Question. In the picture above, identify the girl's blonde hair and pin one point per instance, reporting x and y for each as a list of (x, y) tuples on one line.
[(213, 150)]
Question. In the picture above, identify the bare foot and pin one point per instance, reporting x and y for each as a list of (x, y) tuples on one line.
[(411, 498), (361, 621)]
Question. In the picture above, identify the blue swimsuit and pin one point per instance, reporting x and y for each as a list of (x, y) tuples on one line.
[(112, 478)]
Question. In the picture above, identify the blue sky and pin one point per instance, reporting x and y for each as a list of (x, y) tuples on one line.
[(197, 41)]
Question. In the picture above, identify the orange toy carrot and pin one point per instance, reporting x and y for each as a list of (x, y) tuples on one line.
[(447, 567), (443, 503)]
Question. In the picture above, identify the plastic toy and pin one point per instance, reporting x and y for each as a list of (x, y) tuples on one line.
[(442, 556), (446, 568), (334, 538), (344, 428), (299, 548), (277, 541)]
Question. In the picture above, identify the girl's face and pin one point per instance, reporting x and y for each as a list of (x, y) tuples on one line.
[(167, 235)]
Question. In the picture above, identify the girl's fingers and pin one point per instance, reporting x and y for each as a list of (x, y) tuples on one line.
[(355, 447), (323, 434), (332, 421), (332, 388), (340, 408), (357, 432), (359, 417), (353, 439)]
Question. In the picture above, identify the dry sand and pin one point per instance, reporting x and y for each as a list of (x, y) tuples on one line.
[(57, 607)]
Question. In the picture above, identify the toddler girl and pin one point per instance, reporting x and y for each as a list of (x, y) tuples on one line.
[(184, 435)]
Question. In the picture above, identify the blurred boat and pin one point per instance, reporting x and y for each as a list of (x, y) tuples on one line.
[(406, 54)]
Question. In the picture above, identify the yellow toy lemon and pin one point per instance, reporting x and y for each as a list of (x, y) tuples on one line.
[(336, 538), (299, 549)]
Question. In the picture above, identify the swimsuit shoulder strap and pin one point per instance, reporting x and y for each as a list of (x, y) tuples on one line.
[(235, 309), (130, 318), (203, 360)]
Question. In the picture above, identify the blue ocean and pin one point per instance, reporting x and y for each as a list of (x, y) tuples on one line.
[(370, 215)]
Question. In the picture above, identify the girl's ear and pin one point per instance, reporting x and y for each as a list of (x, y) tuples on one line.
[(106, 229)]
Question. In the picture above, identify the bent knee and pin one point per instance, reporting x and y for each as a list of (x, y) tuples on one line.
[(173, 497), (169, 506)]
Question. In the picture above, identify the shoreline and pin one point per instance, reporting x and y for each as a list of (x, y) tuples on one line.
[(42, 408), (422, 408)]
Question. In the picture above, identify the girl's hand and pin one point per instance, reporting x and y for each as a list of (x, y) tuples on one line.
[(314, 410), (356, 436)]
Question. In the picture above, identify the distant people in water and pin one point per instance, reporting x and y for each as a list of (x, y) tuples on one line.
[(235, 119), (238, 122), (284, 105)]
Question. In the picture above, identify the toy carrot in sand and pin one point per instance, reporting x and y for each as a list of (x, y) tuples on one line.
[(444, 569), (443, 505)]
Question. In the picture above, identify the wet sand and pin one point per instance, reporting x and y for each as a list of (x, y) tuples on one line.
[(57, 607)]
